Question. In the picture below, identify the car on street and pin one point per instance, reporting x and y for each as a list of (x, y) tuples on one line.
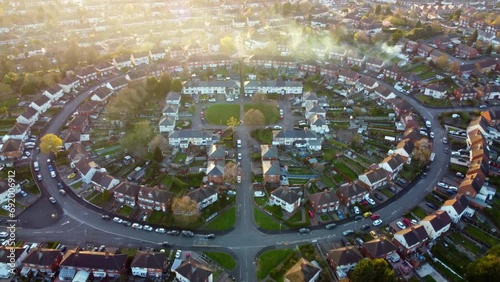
[(49, 161), (374, 234), (370, 200), (356, 210), (186, 233), (4, 234), (304, 230), (239, 156), (178, 254), (483, 106), (39, 177), (445, 140), (375, 216), (331, 226), (53, 174), (377, 222), (166, 244), (358, 217), (367, 214), (137, 226), (400, 225), (160, 230), (277, 127), (62, 192), (348, 232), (365, 227), (380, 76), (238, 143), (238, 178), (52, 200), (431, 135), (210, 236), (117, 220), (173, 232), (148, 228), (443, 185), (127, 223), (59, 186), (106, 217), (212, 100)]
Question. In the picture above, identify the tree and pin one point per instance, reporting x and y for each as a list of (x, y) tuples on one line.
[(230, 172), (227, 45), (398, 34), (30, 84), (472, 38), (185, 210), (486, 268), (136, 141), (378, 9), (151, 84), (488, 50), (422, 151), (442, 62), (164, 83), (388, 10), (11, 78), (254, 117), (159, 141), (419, 24), (176, 85), (454, 67), (232, 122), (259, 98), (157, 154), (71, 57), (368, 270), (50, 143), (356, 142)]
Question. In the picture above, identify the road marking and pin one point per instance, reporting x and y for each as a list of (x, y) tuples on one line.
[(64, 223)]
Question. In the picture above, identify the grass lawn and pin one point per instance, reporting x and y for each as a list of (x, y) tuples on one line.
[(298, 170), (327, 180), (265, 221), (420, 69), (155, 217), (481, 236), (270, 260), (100, 199), (386, 192), (428, 100), (345, 170), (429, 278), (77, 184), (179, 158), (293, 181), (219, 114), (32, 188), (223, 221), (263, 135), (452, 258), (419, 212), (271, 112), (126, 211), (296, 218), (260, 201), (466, 243), (325, 217), (223, 259)]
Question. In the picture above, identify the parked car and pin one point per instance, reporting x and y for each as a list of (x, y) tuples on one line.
[(431, 205), (239, 156), (367, 214), (356, 210), (23, 193), (406, 222), (52, 200), (371, 201), (304, 230), (186, 233), (166, 244), (238, 178), (72, 175), (360, 241), (127, 223), (377, 222), (62, 192), (358, 217), (365, 227), (378, 197), (178, 254), (117, 220), (39, 177), (137, 226), (106, 217), (173, 232), (311, 214), (160, 230), (374, 234), (375, 216), (331, 226), (400, 225), (210, 236), (442, 184), (348, 232)]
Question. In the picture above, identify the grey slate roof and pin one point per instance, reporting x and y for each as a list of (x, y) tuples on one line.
[(271, 168), (149, 260), (189, 133), (286, 194), (345, 256), (201, 194), (194, 271)]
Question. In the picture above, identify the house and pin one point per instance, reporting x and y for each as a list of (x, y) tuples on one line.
[(99, 264), (404, 149), (171, 110), (312, 109), (184, 138), (69, 84), (273, 86), (348, 76), (492, 117), (374, 64), (302, 271), (140, 58), (29, 116), (153, 199), (149, 264), (4, 190), (424, 50), (410, 239), (436, 224), (122, 62), (173, 98), (435, 90), (456, 208), (411, 80), (103, 181), (384, 93), (87, 74), (289, 137), (268, 152), (271, 171), (157, 54), (101, 94), (167, 124), (104, 69), (177, 51), (226, 87), (11, 258), (78, 123), (393, 164), (41, 260), (325, 201), (285, 197), (216, 152), (20, 131), (72, 137), (319, 125), (136, 75), (351, 193), (394, 72), (13, 149), (466, 52), (378, 248), (204, 196), (374, 179), (366, 84), (487, 65), (54, 93), (86, 169), (467, 92), (126, 193), (41, 104), (490, 92), (117, 84), (472, 184), (192, 270), (343, 260), (87, 108), (354, 58), (215, 171)]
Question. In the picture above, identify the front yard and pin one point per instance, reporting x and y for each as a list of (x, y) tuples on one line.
[(265, 221), (219, 114), (222, 259), (270, 112), (270, 260), (223, 221)]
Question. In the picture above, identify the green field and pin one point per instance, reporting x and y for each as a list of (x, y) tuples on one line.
[(219, 114), (223, 221), (223, 259), (265, 221), (270, 112), (269, 260)]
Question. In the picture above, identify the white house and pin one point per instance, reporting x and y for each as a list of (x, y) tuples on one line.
[(319, 125), (410, 239), (86, 169), (343, 260), (226, 87), (183, 138), (122, 62), (171, 110), (69, 84), (148, 264), (54, 93), (193, 270), (436, 224), (393, 164), (101, 94), (456, 208), (288, 199), (167, 124), (4, 190), (204, 196), (29, 116), (140, 58), (374, 179), (437, 91), (103, 181), (273, 86), (404, 149), (41, 104), (87, 74), (157, 54), (20, 131), (289, 137), (117, 84), (173, 98)]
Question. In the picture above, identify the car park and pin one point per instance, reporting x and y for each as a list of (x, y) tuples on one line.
[(117, 220), (304, 230), (377, 222), (400, 225), (331, 226), (52, 200), (348, 232)]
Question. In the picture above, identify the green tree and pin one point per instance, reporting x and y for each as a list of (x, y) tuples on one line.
[(254, 117), (50, 143), (442, 62), (378, 9), (486, 268), (227, 45), (165, 84), (376, 270), (11, 78), (136, 141), (472, 38), (398, 34), (30, 84), (232, 122), (71, 56), (388, 10), (419, 24), (151, 84), (157, 154), (176, 85)]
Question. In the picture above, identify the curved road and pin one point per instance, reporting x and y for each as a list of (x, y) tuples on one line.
[(75, 225)]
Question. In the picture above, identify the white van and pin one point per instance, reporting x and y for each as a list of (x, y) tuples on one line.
[(36, 166)]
